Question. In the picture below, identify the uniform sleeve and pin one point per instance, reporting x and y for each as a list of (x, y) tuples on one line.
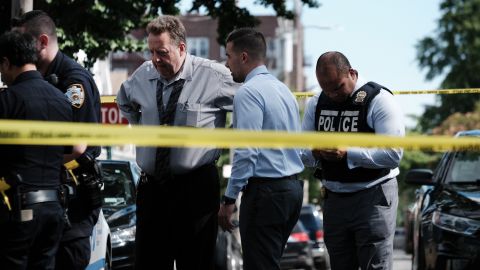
[(385, 117), (248, 115), (128, 108), (308, 124), (83, 94)]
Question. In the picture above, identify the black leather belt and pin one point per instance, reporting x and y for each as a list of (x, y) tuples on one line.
[(40, 196)]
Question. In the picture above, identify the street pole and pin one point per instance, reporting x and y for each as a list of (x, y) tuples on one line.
[(20, 7), (298, 76)]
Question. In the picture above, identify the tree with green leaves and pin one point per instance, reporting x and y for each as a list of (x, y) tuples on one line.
[(454, 52), (101, 26)]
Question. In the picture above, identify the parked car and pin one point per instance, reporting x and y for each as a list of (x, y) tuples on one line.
[(312, 219), (100, 246), (298, 251), (446, 225), (228, 253), (120, 181), (119, 194)]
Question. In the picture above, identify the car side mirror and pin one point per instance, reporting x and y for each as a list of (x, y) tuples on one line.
[(420, 177)]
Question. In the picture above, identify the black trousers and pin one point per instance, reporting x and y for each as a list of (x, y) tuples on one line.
[(268, 213), (32, 244), (178, 219)]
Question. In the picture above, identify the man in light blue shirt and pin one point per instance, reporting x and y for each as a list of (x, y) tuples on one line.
[(272, 194), (361, 189)]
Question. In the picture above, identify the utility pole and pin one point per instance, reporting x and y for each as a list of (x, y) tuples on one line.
[(20, 7), (298, 76)]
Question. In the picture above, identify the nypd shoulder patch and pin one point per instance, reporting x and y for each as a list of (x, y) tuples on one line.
[(76, 95)]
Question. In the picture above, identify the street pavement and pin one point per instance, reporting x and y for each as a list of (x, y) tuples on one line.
[(401, 260)]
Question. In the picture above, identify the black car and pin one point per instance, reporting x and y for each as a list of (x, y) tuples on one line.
[(312, 219), (298, 251), (120, 179), (446, 228)]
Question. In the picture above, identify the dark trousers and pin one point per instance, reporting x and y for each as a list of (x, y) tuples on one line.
[(32, 244), (74, 250), (177, 221), (359, 227), (268, 212), (73, 254)]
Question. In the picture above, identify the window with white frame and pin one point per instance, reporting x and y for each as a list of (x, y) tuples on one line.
[(198, 46)]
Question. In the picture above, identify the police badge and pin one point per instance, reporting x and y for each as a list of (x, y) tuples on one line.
[(361, 95), (76, 95)]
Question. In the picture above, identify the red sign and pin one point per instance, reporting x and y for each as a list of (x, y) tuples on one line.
[(111, 114)]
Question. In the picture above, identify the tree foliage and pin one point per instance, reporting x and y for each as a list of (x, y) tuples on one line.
[(459, 122), (101, 26), (453, 51)]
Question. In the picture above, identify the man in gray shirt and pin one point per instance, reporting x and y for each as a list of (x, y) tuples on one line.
[(178, 195)]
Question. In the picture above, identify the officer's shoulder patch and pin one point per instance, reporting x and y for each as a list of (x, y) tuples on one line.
[(76, 95), (360, 96)]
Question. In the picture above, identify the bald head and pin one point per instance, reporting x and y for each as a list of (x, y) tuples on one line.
[(336, 76), (336, 59)]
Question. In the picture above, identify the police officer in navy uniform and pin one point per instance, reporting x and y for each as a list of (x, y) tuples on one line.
[(79, 87), (33, 215), (361, 188)]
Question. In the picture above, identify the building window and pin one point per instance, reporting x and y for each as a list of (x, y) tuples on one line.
[(198, 46)]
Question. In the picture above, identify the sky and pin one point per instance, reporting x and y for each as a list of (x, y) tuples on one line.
[(377, 36)]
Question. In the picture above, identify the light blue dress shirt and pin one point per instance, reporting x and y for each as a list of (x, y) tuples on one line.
[(263, 103), (385, 117)]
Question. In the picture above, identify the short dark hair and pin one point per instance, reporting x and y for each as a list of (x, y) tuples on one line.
[(338, 59), (169, 24), (36, 22), (250, 41), (18, 48)]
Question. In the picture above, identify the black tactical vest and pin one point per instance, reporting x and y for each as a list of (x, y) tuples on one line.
[(349, 116)]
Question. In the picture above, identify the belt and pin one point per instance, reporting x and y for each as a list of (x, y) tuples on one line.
[(40, 196), (261, 180), (349, 194)]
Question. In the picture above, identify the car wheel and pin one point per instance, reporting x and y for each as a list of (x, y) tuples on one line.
[(108, 260)]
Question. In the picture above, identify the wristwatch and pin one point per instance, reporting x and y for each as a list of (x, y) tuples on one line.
[(227, 200)]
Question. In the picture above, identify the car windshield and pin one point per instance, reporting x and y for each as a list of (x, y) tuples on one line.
[(118, 185), (465, 168)]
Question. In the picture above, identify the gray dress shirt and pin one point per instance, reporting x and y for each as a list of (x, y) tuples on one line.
[(206, 97)]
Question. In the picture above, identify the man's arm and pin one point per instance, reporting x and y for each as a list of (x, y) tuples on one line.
[(248, 115), (128, 109), (226, 90), (385, 117), (308, 124)]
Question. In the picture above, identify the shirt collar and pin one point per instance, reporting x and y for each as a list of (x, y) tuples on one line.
[(258, 70)]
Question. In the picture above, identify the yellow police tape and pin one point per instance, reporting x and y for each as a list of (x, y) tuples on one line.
[(112, 99), (413, 92), (55, 133)]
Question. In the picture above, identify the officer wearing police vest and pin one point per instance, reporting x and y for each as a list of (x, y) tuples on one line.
[(84, 178), (361, 188), (31, 197)]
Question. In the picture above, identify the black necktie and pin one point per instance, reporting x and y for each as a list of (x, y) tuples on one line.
[(167, 117)]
